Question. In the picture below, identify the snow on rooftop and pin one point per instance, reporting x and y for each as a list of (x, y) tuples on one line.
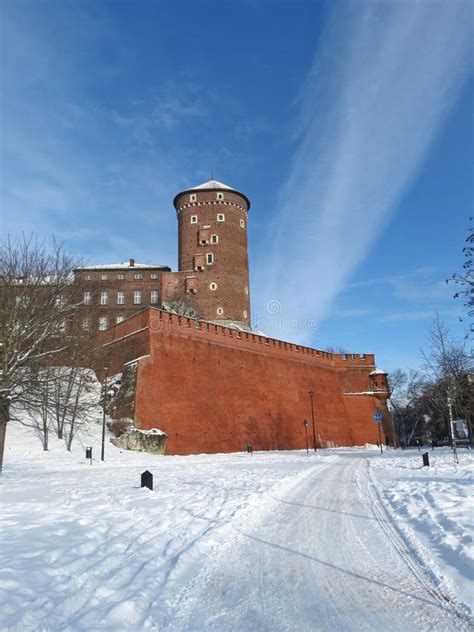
[(213, 184), (378, 371), (125, 265)]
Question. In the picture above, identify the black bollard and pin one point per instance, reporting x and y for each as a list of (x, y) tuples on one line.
[(147, 479), (89, 454), (249, 449), (426, 459)]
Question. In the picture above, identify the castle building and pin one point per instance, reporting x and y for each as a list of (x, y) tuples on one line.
[(210, 383), (212, 265)]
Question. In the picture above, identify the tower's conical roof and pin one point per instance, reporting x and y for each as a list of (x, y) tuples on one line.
[(212, 185)]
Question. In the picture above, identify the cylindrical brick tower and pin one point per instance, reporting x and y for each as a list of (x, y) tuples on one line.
[(212, 219)]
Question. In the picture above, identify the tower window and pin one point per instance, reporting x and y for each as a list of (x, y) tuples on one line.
[(242, 223), (220, 217), (246, 290), (137, 297), (120, 298), (210, 258), (104, 298), (219, 196), (193, 197), (245, 313), (219, 311), (213, 286), (214, 239), (194, 219)]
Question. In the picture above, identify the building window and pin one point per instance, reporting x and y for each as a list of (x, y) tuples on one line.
[(219, 196), (120, 298), (242, 223), (87, 298), (86, 324), (213, 286), (119, 319), (246, 291), (103, 321), (121, 277), (193, 197), (210, 258), (137, 276), (153, 276), (154, 297), (59, 301), (88, 277), (104, 298), (245, 313), (220, 217), (137, 297), (214, 239), (194, 219), (104, 277), (220, 311)]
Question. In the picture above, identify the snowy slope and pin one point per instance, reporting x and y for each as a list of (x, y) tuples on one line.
[(273, 541)]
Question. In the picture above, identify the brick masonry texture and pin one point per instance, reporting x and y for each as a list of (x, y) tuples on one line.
[(219, 288), (214, 389), (229, 269)]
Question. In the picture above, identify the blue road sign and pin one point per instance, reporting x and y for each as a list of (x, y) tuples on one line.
[(378, 417)]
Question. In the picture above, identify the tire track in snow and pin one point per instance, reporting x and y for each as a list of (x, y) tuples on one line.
[(322, 559), (412, 557)]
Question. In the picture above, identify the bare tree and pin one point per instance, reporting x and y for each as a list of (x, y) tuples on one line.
[(84, 397), (38, 305), (183, 305), (36, 403), (465, 280), (447, 363), (72, 398), (405, 389)]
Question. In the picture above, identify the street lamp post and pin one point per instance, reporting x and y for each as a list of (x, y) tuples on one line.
[(104, 401), (451, 428), (311, 394), (305, 424)]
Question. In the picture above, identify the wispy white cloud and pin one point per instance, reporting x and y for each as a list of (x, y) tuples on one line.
[(420, 285), (425, 314), (384, 78)]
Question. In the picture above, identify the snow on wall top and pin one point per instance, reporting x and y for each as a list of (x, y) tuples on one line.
[(378, 371)]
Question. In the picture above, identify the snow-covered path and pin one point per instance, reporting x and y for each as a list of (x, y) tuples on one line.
[(283, 541), (325, 558)]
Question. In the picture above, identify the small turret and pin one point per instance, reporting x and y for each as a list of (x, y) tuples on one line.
[(379, 382)]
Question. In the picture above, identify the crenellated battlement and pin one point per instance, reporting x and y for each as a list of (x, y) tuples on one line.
[(212, 388), (154, 319)]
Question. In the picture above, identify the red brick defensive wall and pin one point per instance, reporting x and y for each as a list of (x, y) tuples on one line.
[(214, 389)]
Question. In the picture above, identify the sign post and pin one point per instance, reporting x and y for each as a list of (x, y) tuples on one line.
[(378, 421)]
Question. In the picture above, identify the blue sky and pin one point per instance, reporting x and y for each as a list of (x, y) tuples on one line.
[(348, 124)]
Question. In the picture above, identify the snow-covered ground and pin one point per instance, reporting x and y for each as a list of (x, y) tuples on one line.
[(339, 540)]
